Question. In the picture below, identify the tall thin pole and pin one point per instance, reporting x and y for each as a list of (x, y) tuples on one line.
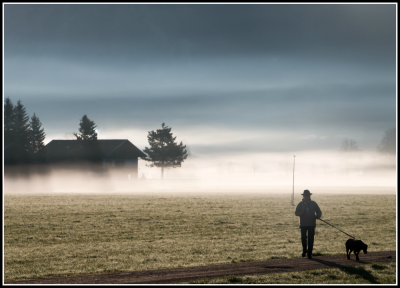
[(294, 160)]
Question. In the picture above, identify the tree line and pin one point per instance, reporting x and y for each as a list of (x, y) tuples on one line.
[(23, 135), (24, 141)]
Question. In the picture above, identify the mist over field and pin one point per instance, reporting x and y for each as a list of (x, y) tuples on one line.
[(264, 173)]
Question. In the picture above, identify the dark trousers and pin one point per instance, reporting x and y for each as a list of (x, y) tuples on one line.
[(311, 233)]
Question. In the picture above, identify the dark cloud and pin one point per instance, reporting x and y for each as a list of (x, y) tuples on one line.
[(340, 30)]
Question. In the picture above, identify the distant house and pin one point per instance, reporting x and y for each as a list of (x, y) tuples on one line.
[(119, 153)]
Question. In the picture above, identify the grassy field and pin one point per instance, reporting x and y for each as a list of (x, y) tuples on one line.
[(72, 234), (365, 274)]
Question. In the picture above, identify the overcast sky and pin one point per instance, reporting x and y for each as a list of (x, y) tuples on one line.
[(241, 78)]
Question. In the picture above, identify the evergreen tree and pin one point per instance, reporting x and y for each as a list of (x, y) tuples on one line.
[(163, 151), (21, 135), (9, 119), (23, 139), (37, 137), (87, 130), (87, 134)]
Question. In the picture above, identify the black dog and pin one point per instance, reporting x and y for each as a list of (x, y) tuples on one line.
[(356, 246)]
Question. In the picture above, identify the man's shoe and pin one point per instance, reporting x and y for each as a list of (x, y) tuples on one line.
[(309, 256), (303, 255)]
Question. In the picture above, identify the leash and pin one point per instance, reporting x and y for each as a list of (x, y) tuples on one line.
[(337, 229)]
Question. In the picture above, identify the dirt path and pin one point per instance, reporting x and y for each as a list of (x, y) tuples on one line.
[(177, 275)]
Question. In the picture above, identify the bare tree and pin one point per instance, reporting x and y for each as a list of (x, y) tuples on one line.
[(349, 149), (349, 146), (388, 143)]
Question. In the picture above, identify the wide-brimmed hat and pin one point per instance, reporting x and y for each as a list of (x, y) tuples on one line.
[(306, 192)]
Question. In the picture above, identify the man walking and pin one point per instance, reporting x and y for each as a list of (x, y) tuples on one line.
[(308, 211)]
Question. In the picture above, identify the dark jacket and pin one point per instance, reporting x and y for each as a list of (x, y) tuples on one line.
[(308, 218)]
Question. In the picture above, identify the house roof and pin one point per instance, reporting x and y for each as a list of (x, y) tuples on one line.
[(110, 149)]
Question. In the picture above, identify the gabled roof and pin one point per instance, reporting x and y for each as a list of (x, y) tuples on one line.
[(111, 149)]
